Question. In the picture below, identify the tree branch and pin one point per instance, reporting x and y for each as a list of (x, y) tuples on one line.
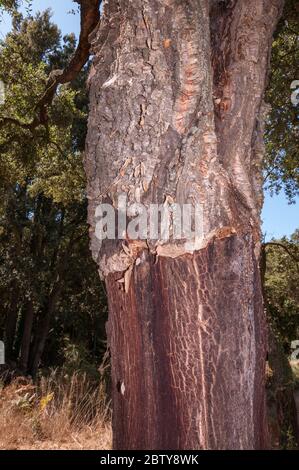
[(90, 16), (280, 245)]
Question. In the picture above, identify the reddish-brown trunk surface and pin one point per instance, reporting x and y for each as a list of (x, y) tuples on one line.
[(192, 333), (177, 115)]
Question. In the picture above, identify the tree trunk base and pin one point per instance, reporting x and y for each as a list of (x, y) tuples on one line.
[(188, 346)]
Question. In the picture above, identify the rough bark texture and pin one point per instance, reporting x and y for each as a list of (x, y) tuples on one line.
[(187, 379), (176, 114)]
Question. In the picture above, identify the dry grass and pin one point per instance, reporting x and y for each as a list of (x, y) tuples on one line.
[(60, 412)]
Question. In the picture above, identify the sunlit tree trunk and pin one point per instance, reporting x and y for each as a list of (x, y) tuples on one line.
[(177, 113)]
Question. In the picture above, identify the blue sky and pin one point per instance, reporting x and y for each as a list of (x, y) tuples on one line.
[(279, 218)]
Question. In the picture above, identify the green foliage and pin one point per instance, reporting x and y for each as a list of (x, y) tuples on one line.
[(11, 6), (282, 289), (45, 260), (282, 302), (282, 134)]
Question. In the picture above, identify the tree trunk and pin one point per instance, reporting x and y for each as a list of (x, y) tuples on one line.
[(177, 113), (11, 322), (43, 329), (26, 338)]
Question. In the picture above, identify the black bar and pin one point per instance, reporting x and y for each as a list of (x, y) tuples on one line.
[(137, 459)]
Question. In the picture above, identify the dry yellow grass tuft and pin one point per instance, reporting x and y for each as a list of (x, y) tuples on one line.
[(60, 412)]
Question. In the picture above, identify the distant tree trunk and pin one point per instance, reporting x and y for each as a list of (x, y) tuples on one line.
[(11, 322), (26, 338), (177, 114), (43, 330)]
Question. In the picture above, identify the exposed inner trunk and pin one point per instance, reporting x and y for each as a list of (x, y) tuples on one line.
[(192, 332), (178, 117)]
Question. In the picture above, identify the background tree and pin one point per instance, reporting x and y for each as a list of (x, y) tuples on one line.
[(280, 282), (282, 130), (51, 298), (282, 288), (281, 173)]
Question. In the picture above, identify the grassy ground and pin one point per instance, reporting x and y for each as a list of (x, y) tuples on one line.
[(60, 412)]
